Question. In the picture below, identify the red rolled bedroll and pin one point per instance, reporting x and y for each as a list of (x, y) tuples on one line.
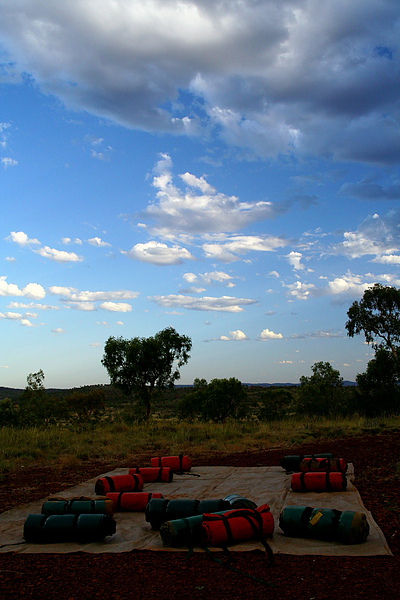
[(178, 464), (319, 482), (131, 501), (338, 465), (152, 474), (119, 483), (237, 525)]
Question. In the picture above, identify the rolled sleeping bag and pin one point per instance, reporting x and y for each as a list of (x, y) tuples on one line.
[(318, 482), (182, 532), (77, 506), (238, 501), (338, 465), (347, 527), (153, 474), (237, 525), (158, 511), (44, 529), (292, 462), (131, 501), (177, 464), (119, 483)]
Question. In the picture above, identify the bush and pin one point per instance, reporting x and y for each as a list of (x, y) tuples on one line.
[(215, 401), (274, 404)]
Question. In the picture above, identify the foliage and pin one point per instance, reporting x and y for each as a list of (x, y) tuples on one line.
[(140, 365), (275, 404), (9, 413), (320, 394), (85, 407), (36, 406), (378, 316), (215, 401), (378, 388)]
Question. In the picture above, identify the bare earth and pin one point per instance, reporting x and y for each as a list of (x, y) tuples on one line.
[(141, 575)]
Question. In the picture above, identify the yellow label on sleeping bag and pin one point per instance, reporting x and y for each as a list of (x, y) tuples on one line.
[(316, 518)]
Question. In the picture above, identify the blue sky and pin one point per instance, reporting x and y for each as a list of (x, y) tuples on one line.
[(230, 169)]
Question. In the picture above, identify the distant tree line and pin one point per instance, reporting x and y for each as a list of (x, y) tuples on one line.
[(144, 372)]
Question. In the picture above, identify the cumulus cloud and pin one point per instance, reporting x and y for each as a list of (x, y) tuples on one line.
[(96, 241), (267, 334), (158, 253), (58, 330), (212, 278), (231, 248), (21, 238), (31, 290), (23, 320), (288, 77), (116, 306), (294, 259), (60, 256), (34, 305), (375, 236), (71, 294), (199, 208), (207, 303)]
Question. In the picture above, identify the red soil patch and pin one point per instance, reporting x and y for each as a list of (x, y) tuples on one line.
[(141, 575)]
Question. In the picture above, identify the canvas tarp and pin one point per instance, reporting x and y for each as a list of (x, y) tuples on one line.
[(263, 485)]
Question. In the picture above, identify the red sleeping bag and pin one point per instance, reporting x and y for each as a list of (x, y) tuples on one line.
[(119, 483), (237, 525), (319, 482), (178, 464), (338, 465), (131, 501), (151, 474)]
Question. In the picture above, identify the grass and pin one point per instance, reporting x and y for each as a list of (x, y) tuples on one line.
[(118, 440)]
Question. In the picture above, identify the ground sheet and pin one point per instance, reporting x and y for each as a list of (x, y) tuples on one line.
[(263, 485)]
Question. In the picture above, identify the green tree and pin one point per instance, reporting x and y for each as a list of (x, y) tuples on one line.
[(275, 403), (141, 365), (215, 401), (320, 394), (37, 407), (377, 315), (378, 388), (85, 406)]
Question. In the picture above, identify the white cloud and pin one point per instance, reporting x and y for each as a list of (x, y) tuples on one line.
[(200, 208), (221, 304), (231, 248), (96, 241), (158, 253), (300, 290), (294, 259), (58, 330), (387, 259), (60, 256), (21, 238), (34, 305), (71, 294), (116, 306), (267, 334), (376, 235), (212, 278), (12, 316), (238, 335), (31, 290), (9, 162)]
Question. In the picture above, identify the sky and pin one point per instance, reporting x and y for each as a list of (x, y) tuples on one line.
[(229, 168)]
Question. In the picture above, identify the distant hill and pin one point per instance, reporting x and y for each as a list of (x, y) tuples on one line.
[(14, 393)]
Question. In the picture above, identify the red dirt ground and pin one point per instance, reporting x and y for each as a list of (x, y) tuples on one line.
[(141, 575)]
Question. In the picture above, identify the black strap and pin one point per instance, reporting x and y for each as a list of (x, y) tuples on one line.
[(110, 483), (119, 500)]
